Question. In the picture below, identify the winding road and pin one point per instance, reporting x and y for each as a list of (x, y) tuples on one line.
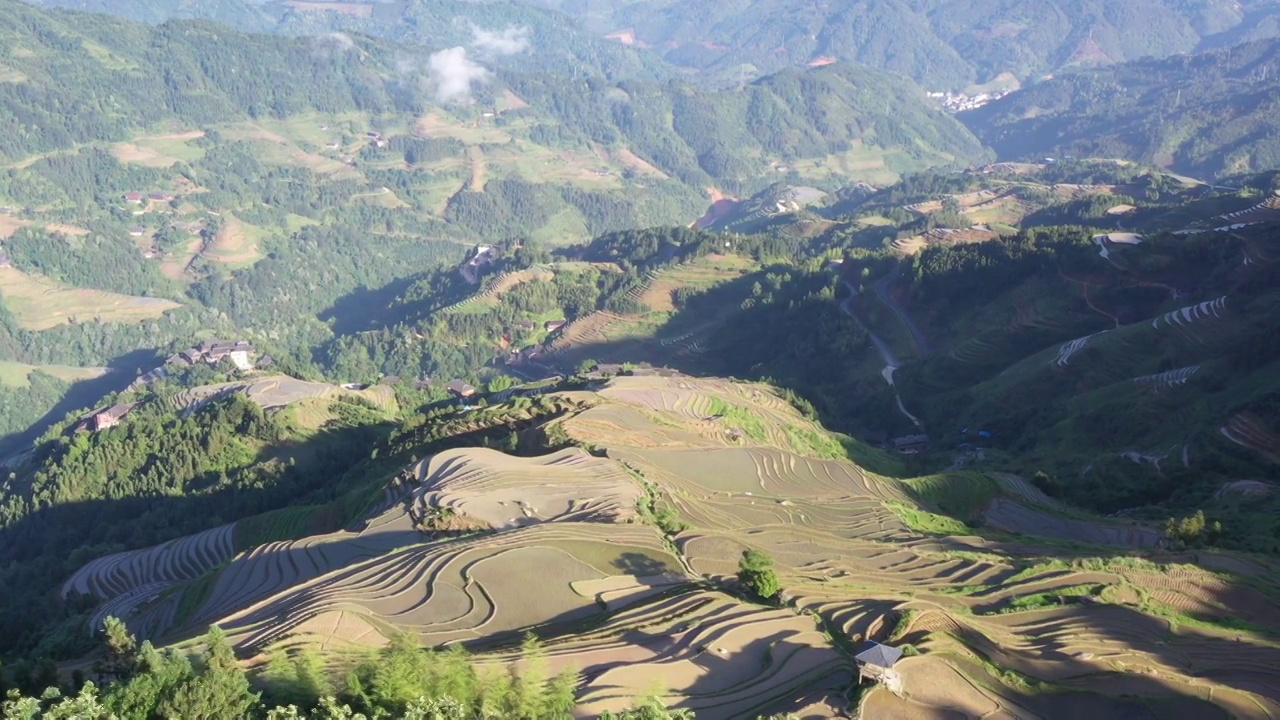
[(882, 291), (891, 363)]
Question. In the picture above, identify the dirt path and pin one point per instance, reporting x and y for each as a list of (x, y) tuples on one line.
[(1088, 300), (479, 168)]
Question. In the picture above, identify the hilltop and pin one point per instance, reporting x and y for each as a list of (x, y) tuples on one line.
[(629, 501)]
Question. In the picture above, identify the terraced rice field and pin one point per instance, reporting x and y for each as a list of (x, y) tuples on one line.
[(1168, 380), (1014, 517), (160, 151), (40, 303), (1068, 350), (237, 244), (724, 660), (17, 374), (944, 236), (478, 587), (182, 559), (504, 283), (1252, 432), (657, 291), (618, 601), (1026, 491), (1186, 318), (584, 332), (495, 489), (1267, 211), (276, 391)]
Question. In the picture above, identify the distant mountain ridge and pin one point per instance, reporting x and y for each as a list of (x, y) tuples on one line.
[(944, 44), (1216, 113), (185, 71)]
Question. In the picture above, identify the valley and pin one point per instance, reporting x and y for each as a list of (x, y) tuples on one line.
[(539, 359)]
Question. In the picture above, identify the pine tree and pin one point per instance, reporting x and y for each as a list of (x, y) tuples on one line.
[(121, 659), (221, 691)]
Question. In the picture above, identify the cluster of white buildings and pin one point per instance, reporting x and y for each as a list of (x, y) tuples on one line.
[(959, 102)]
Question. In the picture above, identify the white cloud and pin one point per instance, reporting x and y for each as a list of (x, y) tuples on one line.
[(334, 43), (453, 74), (510, 41)]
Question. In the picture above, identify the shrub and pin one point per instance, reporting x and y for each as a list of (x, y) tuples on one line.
[(755, 572)]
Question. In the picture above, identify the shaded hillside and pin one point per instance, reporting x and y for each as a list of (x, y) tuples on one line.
[(1211, 114)]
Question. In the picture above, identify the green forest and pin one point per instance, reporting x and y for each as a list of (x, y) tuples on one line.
[(401, 681)]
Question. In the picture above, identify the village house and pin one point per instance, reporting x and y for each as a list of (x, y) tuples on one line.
[(460, 388), (103, 418), (553, 325), (608, 369), (484, 255), (134, 197), (137, 231), (875, 661), (159, 196), (214, 351)]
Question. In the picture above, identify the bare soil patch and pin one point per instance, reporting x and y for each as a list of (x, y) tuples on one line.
[(637, 163), (512, 101), (479, 169), (174, 266), (354, 9), (10, 225)]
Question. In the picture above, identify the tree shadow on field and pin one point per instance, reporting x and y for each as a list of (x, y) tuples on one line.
[(640, 565)]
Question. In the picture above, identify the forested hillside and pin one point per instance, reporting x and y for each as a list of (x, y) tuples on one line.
[(159, 185), (1209, 114), (944, 45), (498, 32)]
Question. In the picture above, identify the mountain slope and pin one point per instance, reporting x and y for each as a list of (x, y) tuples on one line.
[(943, 43), (188, 180), (615, 557), (1209, 114)]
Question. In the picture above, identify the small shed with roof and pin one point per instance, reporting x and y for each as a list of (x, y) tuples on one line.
[(876, 660)]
